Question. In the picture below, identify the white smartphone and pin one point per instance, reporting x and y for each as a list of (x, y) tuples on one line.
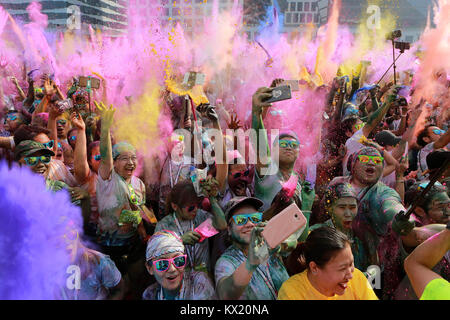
[(285, 223)]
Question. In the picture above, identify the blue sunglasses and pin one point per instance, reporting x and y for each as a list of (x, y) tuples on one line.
[(97, 157), (438, 131), (73, 138), (49, 145)]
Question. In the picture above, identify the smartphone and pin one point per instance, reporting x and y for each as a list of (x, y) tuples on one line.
[(284, 224), (194, 79), (64, 105), (84, 81), (280, 93), (294, 84)]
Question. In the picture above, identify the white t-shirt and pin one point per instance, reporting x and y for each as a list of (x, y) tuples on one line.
[(422, 160), (353, 145)]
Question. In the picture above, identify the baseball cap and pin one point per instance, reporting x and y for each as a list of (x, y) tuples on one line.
[(386, 138), (236, 202), (28, 147)]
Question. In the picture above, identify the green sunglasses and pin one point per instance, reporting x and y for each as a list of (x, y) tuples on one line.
[(288, 143), (32, 161), (242, 219)]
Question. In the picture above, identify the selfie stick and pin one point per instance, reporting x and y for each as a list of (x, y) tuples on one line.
[(425, 191), (88, 87)]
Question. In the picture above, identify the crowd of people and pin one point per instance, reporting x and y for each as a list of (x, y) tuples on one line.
[(142, 236)]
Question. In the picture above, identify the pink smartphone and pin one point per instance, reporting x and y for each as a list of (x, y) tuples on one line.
[(285, 223)]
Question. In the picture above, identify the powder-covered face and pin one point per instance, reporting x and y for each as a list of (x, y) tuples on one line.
[(172, 278), (40, 167), (242, 234), (187, 211), (439, 208), (13, 121), (239, 177), (125, 164), (288, 155), (95, 163), (62, 126), (367, 173), (344, 210), (333, 278), (433, 137)]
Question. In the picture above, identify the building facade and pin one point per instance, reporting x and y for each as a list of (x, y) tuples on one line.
[(109, 16)]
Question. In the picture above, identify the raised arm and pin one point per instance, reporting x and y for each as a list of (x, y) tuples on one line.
[(81, 166), (375, 117), (106, 162), (258, 125), (419, 263)]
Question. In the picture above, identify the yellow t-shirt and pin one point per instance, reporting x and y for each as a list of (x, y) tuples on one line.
[(298, 287)]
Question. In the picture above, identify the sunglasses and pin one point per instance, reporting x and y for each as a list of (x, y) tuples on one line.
[(73, 138), (242, 219), (162, 265), (11, 118), (423, 185), (97, 157), (61, 122), (438, 131), (374, 159), (359, 126), (32, 161), (241, 173), (49, 145), (288, 143), (192, 208)]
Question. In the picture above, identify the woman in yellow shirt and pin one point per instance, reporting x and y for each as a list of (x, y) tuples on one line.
[(329, 272)]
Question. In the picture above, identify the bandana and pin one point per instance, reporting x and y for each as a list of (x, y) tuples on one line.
[(120, 147), (163, 242), (335, 192)]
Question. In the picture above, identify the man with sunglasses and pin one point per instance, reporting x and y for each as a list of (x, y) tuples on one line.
[(378, 202), (166, 261), (12, 122), (430, 138), (247, 270)]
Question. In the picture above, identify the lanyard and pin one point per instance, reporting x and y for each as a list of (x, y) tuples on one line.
[(170, 173), (180, 230)]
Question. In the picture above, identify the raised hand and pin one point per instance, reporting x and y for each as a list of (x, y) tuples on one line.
[(191, 237), (258, 252), (77, 121), (106, 114), (209, 187), (259, 97), (234, 123)]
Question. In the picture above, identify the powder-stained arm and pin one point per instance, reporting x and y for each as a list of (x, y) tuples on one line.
[(81, 166), (375, 117), (106, 162)]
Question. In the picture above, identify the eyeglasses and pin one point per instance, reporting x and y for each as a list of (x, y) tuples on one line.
[(288, 143), (242, 219), (438, 131), (49, 145), (73, 138), (359, 126), (162, 265), (32, 161), (62, 122), (126, 159), (97, 157), (241, 173), (374, 159)]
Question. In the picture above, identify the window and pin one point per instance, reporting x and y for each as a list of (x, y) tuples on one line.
[(292, 9), (299, 6), (288, 17), (313, 6), (316, 18), (176, 11), (302, 18), (306, 6), (309, 18), (295, 18)]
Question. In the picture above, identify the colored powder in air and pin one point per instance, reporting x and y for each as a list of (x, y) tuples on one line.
[(34, 259)]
